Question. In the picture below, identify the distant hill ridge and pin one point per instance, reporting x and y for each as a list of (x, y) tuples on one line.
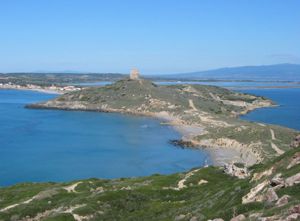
[(278, 72)]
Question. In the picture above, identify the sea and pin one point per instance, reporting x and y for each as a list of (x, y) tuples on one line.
[(55, 145)]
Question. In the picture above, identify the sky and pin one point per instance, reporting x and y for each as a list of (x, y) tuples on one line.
[(155, 36)]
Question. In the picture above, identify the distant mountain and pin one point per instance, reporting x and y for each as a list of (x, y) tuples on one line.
[(278, 72)]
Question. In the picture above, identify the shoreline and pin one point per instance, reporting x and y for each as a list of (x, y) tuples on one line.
[(46, 91), (219, 156)]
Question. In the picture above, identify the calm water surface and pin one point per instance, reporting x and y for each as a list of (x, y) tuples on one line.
[(227, 84), (48, 145), (53, 145), (286, 114)]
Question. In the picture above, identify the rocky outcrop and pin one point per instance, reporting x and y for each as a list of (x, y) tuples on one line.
[(233, 170), (283, 200), (293, 217), (270, 195), (258, 176), (180, 217), (248, 153), (183, 143), (293, 180), (296, 141), (295, 160), (295, 209), (240, 217), (253, 195), (277, 181)]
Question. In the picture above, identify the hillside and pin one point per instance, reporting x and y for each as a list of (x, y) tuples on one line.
[(269, 191), (207, 116), (279, 72)]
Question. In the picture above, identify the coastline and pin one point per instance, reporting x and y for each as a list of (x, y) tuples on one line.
[(37, 90), (219, 155), (215, 127), (49, 89)]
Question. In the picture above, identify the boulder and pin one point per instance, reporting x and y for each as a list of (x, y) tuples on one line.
[(258, 176), (179, 217), (270, 195), (295, 161), (233, 170), (254, 194), (240, 217), (291, 181), (194, 218), (269, 218), (295, 209), (202, 182), (277, 180), (296, 141), (293, 217), (255, 216), (283, 200)]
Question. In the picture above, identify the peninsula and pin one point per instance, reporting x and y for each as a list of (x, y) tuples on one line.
[(207, 116)]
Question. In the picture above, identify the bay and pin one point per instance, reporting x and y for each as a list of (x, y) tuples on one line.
[(54, 145)]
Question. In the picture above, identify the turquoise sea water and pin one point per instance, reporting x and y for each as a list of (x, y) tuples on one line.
[(53, 145)]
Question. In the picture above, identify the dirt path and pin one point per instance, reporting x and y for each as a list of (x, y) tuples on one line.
[(214, 97), (17, 204), (180, 184), (72, 187), (76, 216), (274, 146), (277, 149), (191, 104), (272, 134)]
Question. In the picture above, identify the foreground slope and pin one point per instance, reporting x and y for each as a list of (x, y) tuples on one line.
[(207, 116), (271, 192)]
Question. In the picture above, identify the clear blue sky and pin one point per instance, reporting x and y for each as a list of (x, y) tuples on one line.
[(156, 36)]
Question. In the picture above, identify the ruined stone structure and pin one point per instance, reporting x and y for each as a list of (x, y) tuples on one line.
[(134, 74)]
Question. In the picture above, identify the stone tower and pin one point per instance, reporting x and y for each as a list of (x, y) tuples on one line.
[(134, 74)]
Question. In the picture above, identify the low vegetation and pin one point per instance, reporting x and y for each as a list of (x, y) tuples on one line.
[(48, 79), (200, 194), (212, 113)]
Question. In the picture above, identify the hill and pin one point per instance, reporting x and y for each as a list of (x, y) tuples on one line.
[(278, 72), (207, 116)]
